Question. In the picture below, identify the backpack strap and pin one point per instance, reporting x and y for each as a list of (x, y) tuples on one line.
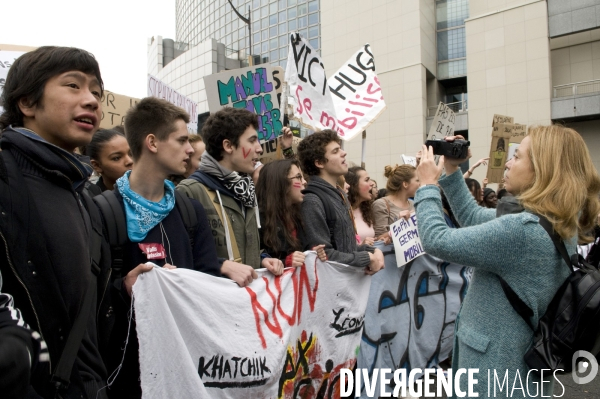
[(116, 228), (188, 215), (96, 235), (227, 225), (62, 373), (517, 303), (329, 211), (558, 243)]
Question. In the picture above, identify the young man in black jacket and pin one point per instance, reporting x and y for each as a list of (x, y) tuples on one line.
[(52, 105), (157, 134)]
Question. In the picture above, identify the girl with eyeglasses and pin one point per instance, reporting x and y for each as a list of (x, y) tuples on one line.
[(279, 194)]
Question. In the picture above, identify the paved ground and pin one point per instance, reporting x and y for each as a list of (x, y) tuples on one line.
[(574, 391)]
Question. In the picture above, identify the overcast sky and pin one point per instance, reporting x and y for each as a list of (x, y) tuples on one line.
[(116, 32)]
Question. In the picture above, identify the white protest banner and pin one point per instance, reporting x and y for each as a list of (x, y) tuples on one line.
[(411, 314), (157, 88), (443, 123), (114, 108), (305, 76), (7, 58), (356, 94), (254, 88), (406, 239), (408, 160), (281, 337)]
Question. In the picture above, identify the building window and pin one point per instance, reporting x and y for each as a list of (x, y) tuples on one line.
[(451, 41)]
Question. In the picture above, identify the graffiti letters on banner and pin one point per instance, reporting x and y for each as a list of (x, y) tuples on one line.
[(406, 239), (356, 94), (157, 88), (7, 58), (410, 316), (281, 337), (256, 89)]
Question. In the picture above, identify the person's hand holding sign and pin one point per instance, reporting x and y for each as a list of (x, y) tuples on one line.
[(287, 138)]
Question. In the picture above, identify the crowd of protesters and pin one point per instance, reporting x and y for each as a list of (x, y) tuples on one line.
[(205, 202)]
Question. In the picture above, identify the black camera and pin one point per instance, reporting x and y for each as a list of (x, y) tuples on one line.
[(457, 149)]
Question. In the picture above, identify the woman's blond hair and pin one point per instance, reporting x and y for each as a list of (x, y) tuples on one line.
[(566, 184), (397, 175)]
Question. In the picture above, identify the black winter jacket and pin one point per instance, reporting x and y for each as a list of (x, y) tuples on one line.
[(45, 235), (202, 257)]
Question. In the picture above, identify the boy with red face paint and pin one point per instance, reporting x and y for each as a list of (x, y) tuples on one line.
[(224, 186)]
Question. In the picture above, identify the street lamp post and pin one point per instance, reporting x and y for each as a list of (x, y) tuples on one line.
[(247, 21)]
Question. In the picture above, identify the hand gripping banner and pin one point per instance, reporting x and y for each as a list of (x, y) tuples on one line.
[(280, 337)]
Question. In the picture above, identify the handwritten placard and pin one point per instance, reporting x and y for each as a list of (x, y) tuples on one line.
[(502, 119), (114, 108), (443, 123), (406, 239), (157, 88), (501, 134), (356, 94), (506, 138), (254, 88), (7, 58), (305, 75), (408, 160)]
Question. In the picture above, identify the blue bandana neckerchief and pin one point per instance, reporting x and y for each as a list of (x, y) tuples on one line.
[(143, 215)]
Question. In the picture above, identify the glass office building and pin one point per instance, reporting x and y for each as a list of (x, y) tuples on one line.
[(271, 21)]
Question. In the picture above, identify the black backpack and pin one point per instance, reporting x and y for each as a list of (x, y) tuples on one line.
[(329, 211), (116, 224), (572, 319)]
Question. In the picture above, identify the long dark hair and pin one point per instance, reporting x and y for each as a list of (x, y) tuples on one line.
[(474, 188), (276, 210), (365, 207)]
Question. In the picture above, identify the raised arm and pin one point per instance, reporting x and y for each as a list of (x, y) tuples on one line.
[(497, 238)]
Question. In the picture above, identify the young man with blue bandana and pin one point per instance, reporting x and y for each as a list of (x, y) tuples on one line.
[(159, 140)]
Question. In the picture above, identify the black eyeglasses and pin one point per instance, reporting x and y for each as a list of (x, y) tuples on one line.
[(297, 177)]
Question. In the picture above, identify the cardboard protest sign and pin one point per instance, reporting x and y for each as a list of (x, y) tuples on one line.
[(506, 137), (406, 239), (305, 76), (411, 314), (157, 88), (501, 134), (502, 119), (114, 108), (272, 149), (356, 94), (282, 336), (443, 123), (253, 88), (7, 58)]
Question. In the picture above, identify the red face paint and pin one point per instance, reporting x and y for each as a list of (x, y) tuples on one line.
[(297, 184), (244, 152)]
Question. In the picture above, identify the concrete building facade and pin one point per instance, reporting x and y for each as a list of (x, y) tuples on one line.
[(535, 60)]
